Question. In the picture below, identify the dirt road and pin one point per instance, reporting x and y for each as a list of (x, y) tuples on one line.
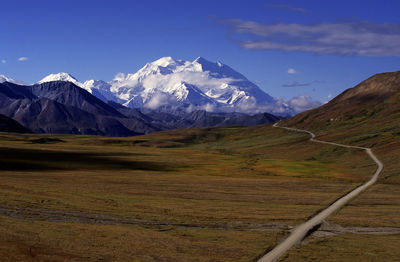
[(301, 231)]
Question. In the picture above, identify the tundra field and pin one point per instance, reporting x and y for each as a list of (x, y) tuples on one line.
[(205, 194)]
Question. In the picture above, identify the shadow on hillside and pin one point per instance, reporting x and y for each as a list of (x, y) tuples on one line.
[(29, 159)]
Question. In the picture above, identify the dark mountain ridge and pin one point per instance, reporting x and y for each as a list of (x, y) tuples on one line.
[(69, 94), (63, 107), (60, 107), (10, 125)]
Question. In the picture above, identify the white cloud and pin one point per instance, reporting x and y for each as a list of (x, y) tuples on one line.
[(23, 58), (292, 71), (302, 103), (168, 83), (119, 77), (4, 61), (159, 99), (339, 38)]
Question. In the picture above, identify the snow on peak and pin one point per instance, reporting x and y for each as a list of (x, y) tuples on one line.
[(177, 82), (205, 62), (200, 60), (100, 89), (94, 83), (60, 77), (4, 78), (164, 61)]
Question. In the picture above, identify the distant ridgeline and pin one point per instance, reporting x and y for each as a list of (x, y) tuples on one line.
[(164, 94), (63, 107)]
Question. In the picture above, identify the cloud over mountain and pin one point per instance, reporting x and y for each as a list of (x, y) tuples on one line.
[(188, 85), (302, 103)]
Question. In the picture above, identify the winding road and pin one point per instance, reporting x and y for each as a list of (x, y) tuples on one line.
[(300, 232)]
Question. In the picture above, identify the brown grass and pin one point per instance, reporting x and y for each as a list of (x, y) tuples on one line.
[(347, 248), (219, 179)]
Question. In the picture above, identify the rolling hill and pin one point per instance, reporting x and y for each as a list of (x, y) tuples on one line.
[(366, 115)]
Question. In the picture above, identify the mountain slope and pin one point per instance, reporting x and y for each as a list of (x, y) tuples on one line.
[(48, 116), (69, 94), (206, 119), (62, 107), (10, 125), (97, 88), (3, 79), (13, 91), (366, 115), (375, 100)]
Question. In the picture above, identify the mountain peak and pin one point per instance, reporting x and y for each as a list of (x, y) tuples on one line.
[(202, 61), (60, 77), (4, 78), (378, 87), (199, 83), (164, 61)]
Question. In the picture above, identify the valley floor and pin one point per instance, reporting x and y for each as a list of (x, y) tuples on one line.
[(207, 194)]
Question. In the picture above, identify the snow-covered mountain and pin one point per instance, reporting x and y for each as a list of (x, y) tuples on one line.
[(3, 79), (60, 77), (197, 84), (100, 89), (95, 87), (192, 85)]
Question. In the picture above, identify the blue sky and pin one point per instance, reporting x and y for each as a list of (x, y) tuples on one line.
[(330, 45)]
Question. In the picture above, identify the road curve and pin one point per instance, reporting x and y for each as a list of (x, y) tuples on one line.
[(301, 231)]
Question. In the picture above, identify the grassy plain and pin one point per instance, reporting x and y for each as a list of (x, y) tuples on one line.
[(206, 194)]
